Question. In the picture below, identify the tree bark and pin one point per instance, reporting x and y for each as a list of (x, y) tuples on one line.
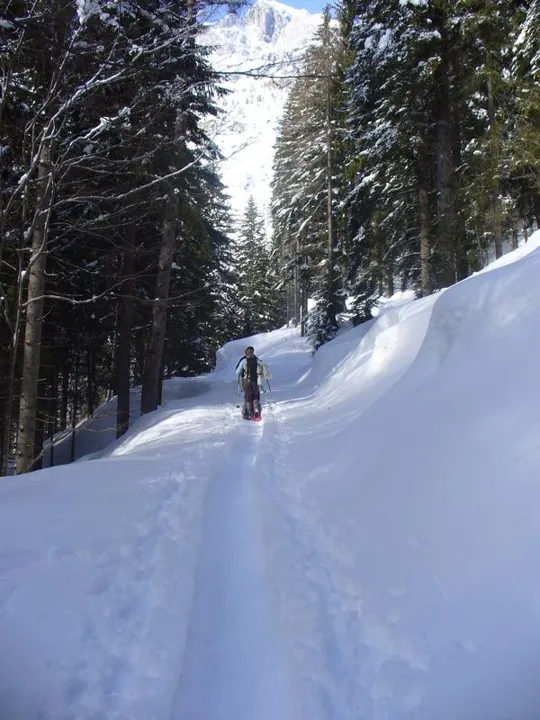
[(154, 358), (75, 409), (34, 317), (297, 283), (91, 377), (124, 331), (425, 248), (65, 398), (331, 225), (10, 380), (377, 244), (10, 390), (444, 204), (496, 212), (389, 279), (303, 298), (39, 434), (445, 200), (52, 410)]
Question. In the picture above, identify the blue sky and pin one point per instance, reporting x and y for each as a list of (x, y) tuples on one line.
[(314, 6)]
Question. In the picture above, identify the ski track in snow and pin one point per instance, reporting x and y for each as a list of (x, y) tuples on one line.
[(234, 664), (340, 646), (134, 610)]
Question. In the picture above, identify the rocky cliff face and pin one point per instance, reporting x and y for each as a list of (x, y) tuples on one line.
[(268, 19), (268, 42)]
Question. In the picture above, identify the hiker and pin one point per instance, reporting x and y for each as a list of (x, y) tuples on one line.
[(251, 372)]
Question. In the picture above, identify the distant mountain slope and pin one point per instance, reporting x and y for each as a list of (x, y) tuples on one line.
[(269, 39)]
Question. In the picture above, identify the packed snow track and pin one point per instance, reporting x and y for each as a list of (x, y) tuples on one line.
[(232, 645)]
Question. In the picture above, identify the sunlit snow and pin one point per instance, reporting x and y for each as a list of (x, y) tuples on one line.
[(368, 551)]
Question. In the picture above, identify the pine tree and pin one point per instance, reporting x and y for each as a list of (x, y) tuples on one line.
[(523, 180), (306, 190), (113, 114), (392, 126), (287, 210), (430, 116), (258, 298)]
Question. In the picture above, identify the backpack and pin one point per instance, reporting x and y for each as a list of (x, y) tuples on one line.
[(254, 369), (251, 368)]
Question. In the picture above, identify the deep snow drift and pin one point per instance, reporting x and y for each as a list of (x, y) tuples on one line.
[(367, 552)]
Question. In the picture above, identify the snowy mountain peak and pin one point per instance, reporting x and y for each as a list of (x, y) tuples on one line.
[(270, 18), (267, 43)]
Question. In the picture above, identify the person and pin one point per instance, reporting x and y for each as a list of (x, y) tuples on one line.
[(251, 372)]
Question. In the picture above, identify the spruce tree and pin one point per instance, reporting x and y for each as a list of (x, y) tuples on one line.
[(257, 294), (306, 189), (106, 106)]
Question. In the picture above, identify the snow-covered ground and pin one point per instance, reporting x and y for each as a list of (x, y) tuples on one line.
[(367, 552)]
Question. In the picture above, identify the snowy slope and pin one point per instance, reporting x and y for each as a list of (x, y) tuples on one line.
[(368, 551), (268, 41)]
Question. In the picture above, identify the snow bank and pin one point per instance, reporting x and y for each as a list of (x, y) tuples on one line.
[(410, 495), (283, 350)]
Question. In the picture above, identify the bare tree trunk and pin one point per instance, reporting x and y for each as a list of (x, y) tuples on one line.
[(459, 234), (331, 225), (297, 283), (425, 248), (161, 374), (65, 398), (10, 380), (303, 300), (90, 384), (39, 434), (14, 323), (34, 317), (124, 331), (112, 391), (287, 257), (154, 358), (378, 253), (151, 393), (445, 200), (9, 402), (496, 211), (75, 409), (515, 234), (52, 412), (389, 279), (444, 205)]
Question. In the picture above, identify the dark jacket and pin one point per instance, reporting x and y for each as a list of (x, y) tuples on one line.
[(246, 368)]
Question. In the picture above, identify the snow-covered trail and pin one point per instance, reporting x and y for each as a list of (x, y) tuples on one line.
[(367, 552), (232, 645)]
